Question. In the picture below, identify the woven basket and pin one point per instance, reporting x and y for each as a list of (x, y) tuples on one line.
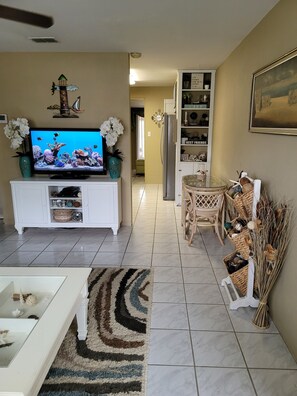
[(240, 277), (62, 215), (232, 213), (243, 204), (240, 242)]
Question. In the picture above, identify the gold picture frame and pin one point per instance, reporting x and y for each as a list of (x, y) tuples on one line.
[(274, 97)]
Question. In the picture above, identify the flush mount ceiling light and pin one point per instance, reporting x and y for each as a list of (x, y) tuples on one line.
[(135, 55)]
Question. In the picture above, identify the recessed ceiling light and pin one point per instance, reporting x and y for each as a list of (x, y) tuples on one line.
[(43, 39), (135, 55)]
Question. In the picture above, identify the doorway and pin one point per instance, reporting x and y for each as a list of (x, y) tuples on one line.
[(137, 141)]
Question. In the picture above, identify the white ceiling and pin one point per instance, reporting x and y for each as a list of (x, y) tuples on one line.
[(170, 34)]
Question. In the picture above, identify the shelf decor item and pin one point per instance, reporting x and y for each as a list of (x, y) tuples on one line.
[(197, 80), (201, 174), (270, 233), (17, 131), (62, 215)]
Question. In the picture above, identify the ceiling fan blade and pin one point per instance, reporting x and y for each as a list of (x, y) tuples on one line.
[(28, 17)]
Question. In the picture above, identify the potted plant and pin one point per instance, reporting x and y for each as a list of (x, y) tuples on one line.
[(111, 129), (116, 154), (17, 131)]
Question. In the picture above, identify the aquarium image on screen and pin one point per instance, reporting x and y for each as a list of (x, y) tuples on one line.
[(70, 150)]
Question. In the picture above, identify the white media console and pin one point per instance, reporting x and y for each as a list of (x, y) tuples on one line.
[(41, 202)]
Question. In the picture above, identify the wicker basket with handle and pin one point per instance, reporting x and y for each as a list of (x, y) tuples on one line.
[(241, 242), (242, 203), (240, 277)]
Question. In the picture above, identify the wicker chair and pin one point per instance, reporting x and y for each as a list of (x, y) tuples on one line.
[(186, 209), (206, 209)]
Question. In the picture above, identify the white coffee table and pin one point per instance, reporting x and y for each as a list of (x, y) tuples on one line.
[(67, 292)]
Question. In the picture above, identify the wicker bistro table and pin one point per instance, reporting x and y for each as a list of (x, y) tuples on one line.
[(209, 185)]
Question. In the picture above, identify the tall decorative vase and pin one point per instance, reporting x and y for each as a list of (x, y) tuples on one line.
[(114, 167), (25, 165)]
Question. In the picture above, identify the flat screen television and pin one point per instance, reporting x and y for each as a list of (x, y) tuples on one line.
[(67, 153)]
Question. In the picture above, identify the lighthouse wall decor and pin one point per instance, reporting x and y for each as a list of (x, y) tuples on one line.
[(64, 110)]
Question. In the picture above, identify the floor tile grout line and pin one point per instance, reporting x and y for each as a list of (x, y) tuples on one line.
[(188, 319)]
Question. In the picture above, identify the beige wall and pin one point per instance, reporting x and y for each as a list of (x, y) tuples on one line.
[(153, 101), (268, 157), (25, 91)]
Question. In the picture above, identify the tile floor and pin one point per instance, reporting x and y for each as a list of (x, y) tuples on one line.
[(198, 347)]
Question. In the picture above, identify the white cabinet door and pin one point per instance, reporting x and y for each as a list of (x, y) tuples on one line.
[(102, 205), (169, 106), (183, 169), (202, 166), (30, 203), (99, 204)]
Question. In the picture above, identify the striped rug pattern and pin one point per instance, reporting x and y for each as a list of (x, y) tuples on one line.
[(112, 361)]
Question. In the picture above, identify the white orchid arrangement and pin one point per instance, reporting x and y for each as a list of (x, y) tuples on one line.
[(111, 129), (17, 131)]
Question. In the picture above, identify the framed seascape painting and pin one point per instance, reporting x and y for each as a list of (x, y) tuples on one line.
[(274, 97)]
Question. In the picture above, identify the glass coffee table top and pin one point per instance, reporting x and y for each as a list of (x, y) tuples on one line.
[(29, 345), (23, 300)]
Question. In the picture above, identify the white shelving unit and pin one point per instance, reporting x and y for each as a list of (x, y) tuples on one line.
[(36, 203), (248, 300), (195, 99)]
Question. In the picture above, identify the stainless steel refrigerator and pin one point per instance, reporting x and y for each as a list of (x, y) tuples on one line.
[(168, 140)]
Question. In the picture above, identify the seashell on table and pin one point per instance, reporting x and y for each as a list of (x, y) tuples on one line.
[(31, 300)]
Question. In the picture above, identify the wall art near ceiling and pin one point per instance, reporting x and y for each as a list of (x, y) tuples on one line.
[(65, 111), (274, 97)]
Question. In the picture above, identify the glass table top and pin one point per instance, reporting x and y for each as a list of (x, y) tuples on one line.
[(208, 183)]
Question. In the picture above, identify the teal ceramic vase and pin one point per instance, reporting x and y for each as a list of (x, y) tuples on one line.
[(114, 167), (25, 165)]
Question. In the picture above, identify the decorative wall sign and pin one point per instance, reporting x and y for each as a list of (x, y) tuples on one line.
[(274, 97), (64, 110), (197, 81)]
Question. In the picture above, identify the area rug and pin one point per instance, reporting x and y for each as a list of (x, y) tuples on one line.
[(113, 359)]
